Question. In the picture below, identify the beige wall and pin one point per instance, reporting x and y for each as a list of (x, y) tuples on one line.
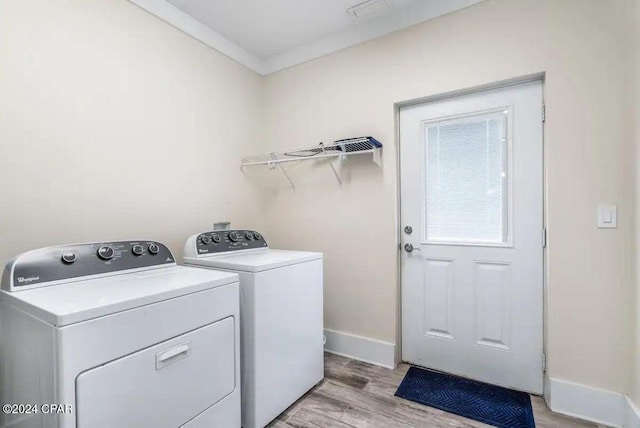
[(583, 49), (635, 73), (114, 125)]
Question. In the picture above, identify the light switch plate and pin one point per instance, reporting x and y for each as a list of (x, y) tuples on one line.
[(607, 216)]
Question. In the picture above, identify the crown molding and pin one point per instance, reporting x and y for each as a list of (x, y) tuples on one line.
[(395, 21), (196, 29)]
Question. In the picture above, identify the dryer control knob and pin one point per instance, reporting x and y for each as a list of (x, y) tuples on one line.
[(154, 249), (137, 250), (233, 236), (69, 257), (206, 239), (215, 238), (105, 252), (248, 235), (257, 235)]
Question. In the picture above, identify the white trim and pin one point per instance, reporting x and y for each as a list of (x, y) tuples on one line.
[(546, 393), (360, 348), (395, 21), (196, 29), (631, 414), (585, 402)]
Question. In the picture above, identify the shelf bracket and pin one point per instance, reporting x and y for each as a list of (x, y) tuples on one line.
[(377, 156), (273, 165), (333, 168)]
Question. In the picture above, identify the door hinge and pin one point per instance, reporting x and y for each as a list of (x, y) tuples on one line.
[(544, 362), (544, 112), (544, 238)]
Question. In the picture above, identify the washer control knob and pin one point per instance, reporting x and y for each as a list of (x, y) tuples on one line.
[(69, 257), (206, 239), (106, 252), (216, 239), (233, 236), (256, 235), (248, 235), (137, 250), (154, 249)]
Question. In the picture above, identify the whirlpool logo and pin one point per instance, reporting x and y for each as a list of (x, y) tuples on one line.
[(22, 279)]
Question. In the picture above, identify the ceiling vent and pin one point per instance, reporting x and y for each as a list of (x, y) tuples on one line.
[(367, 8)]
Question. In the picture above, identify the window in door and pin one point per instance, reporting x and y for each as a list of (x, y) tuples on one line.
[(466, 175)]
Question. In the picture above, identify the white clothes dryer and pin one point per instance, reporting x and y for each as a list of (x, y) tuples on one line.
[(120, 336)]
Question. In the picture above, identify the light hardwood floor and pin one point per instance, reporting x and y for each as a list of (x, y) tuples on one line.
[(356, 394)]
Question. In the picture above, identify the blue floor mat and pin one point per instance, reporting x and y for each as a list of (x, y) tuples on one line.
[(490, 404)]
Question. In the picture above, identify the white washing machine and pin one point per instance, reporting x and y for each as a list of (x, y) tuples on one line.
[(117, 335), (281, 320)]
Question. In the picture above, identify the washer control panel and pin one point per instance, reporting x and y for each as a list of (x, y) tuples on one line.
[(220, 241), (67, 262)]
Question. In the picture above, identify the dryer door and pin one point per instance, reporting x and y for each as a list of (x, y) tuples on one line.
[(165, 385)]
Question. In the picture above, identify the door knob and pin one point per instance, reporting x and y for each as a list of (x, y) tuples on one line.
[(409, 248)]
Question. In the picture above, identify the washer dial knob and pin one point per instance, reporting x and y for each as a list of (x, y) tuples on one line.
[(248, 235), (233, 236), (154, 249), (69, 257), (137, 250), (106, 252), (256, 235), (216, 239), (206, 239)]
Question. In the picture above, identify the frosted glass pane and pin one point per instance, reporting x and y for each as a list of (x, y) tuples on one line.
[(465, 170)]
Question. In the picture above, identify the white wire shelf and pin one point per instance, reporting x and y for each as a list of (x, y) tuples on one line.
[(338, 149)]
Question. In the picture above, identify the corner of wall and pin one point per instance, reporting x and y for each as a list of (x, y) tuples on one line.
[(634, 387), (631, 414)]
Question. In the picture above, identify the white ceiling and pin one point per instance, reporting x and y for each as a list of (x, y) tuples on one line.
[(272, 27), (269, 35)]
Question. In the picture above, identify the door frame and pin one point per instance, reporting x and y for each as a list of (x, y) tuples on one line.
[(540, 76)]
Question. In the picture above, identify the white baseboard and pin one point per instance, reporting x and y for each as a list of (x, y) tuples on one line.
[(631, 414), (360, 348), (585, 402)]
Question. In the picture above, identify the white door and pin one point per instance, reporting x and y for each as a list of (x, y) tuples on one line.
[(472, 236)]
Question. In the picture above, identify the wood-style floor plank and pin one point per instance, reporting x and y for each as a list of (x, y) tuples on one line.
[(360, 418), (360, 395), (306, 418)]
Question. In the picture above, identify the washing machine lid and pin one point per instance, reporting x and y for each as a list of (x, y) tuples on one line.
[(78, 301), (254, 260)]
